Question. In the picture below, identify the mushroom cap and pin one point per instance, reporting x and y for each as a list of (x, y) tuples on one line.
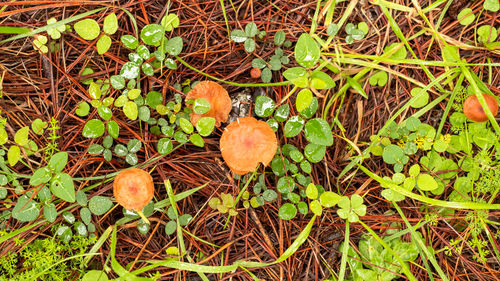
[(133, 189), (474, 111), (247, 142), (217, 96)]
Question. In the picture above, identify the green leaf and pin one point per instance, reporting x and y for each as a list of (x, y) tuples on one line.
[(170, 227), (298, 76), (170, 21), (99, 205), (68, 217), (249, 45), (285, 185), (95, 91), (85, 215), (143, 53), (258, 63), (401, 53), (314, 153), (103, 44), (50, 212), (487, 33), (266, 75), (294, 126), (186, 126), (110, 25), (58, 161), (134, 145), (152, 34), (130, 70), (174, 46), (303, 209), (321, 80), (25, 210), (422, 97), (121, 150), (329, 199), (312, 191), (144, 113), (104, 112), (113, 129), (21, 136), (38, 125), (251, 29), (197, 140), (13, 155), (117, 82), (238, 36), (41, 175), (378, 79), (316, 208), (94, 128), (264, 106), (131, 159), (88, 29), (426, 182), (363, 27), (311, 109), (304, 99), (4, 137), (466, 16), (62, 186), (82, 109), (392, 154), (130, 110), (273, 124), (491, 5), (287, 211), (307, 51), (129, 41), (279, 37), (153, 99), (282, 112), (269, 195), (134, 93), (81, 198), (165, 146), (205, 126), (201, 106), (318, 131)]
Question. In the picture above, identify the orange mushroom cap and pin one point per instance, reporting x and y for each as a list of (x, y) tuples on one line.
[(247, 142), (133, 189), (474, 111), (217, 96)]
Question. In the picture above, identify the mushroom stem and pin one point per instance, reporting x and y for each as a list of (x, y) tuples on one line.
[(143, 217)]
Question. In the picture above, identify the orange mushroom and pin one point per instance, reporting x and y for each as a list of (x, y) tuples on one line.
[(133, 189), (247, 142), (255, 73), (474, 111), (217, 96)]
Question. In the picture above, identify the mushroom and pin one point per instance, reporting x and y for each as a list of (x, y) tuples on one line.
[(474, 111), (247, 142), (217, 96), (133, 189), (255, 73)]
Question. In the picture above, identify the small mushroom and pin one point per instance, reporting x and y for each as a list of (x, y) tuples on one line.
[(255, 73), (133, 189), (474, 111), (247, 142), (217, 96)]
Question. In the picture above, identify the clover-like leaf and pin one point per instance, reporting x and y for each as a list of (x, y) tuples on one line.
[(88, 29)]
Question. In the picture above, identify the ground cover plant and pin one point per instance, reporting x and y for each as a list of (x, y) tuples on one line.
[(249, 140)]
